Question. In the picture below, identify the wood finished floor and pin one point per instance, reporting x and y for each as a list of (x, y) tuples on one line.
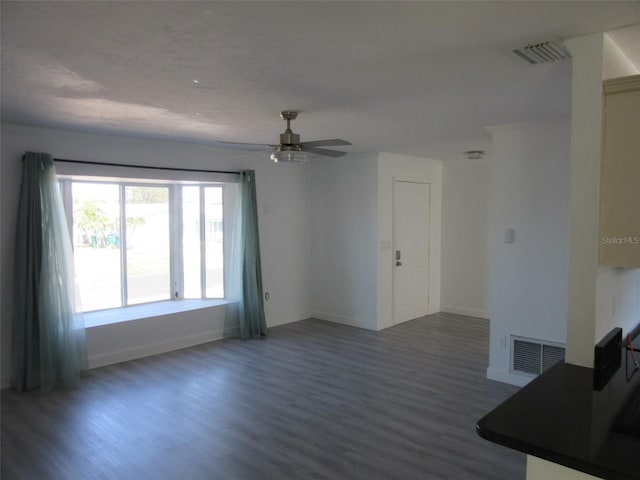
[(315, 400)]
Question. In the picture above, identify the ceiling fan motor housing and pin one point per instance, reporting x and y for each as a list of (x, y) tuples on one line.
[(289, 138)]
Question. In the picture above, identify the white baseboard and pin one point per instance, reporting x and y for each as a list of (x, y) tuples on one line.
[(469, 312), (278, 319), (141, 351), (508, 377), (352, 322)]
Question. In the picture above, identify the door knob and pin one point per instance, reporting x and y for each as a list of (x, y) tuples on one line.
[(398, 264)]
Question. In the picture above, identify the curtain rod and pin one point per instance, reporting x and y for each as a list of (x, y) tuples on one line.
[(150, 167)]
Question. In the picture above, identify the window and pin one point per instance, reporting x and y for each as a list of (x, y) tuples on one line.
[(138, 241), (202, 242)]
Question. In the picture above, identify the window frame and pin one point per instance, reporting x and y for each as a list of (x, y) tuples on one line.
[(176, 285)]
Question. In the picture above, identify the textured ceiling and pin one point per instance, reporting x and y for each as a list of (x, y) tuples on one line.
[(417, 78)]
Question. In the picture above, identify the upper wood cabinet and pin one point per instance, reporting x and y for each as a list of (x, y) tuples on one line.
[(620, 174)]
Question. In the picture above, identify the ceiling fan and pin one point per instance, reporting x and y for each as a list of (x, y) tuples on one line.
[(291, 149)]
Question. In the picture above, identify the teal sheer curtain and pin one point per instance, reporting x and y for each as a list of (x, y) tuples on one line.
[(246, 274), (48, 338)]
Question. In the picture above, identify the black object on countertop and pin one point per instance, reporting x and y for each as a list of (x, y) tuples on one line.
[(559, 417), (607, 357)]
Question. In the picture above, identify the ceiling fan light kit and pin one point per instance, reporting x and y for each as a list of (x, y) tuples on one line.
[(286, 155)]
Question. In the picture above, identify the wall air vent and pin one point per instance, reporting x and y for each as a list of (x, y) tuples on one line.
[(534, 356), (543, 52)]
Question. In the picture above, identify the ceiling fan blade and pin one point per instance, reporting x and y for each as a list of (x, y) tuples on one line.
[(246, 144), (327, 143), (323, 151)]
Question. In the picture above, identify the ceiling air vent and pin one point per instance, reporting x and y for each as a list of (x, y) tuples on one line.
[(543, 52)]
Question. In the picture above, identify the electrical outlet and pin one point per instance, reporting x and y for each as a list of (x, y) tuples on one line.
[(266, 296)]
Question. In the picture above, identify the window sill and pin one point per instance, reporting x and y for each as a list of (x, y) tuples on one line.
[(137, 312)]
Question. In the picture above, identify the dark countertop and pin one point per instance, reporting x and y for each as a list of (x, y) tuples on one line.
[(559, 417)]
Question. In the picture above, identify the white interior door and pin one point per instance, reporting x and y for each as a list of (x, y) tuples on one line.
[(410, 250)]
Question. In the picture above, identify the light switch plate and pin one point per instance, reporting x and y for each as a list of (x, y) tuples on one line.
[(509, 235)]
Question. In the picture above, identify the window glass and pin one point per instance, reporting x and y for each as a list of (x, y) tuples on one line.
[(191, 242), (214, 245), (147, 240), (96, 240)]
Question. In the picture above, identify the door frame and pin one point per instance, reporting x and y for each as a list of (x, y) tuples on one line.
[(422, 181)]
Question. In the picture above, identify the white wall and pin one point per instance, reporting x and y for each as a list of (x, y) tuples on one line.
[(600, 298), (530, 194), (391, 166), (343, 239), (586, 154), (615, 62), (352, 259), (465, 237), (118, 342), (617, 289), (284, 206)]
